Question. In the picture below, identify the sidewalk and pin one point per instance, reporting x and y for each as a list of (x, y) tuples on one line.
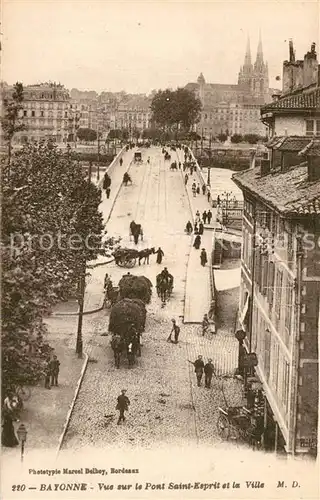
[(198, 288)]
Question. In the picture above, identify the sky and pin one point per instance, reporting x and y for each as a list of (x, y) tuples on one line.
[(137, 46)]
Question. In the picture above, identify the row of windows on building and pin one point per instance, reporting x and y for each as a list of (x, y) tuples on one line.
[(45, 105), (42, 114), (274, 361)]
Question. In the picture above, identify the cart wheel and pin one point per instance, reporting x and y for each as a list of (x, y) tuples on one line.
[(23, 392), (131, 262), (223, 427)]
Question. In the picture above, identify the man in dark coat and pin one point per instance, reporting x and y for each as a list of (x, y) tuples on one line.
[(204, 217), (189, 227), (203, 257), (198, 368), (203, 189), (186, 177), (208, 372), (160, 254), (132, 227), (209, 216), (55, 368), (47, 374), (123, 403), (106, 181), (121, 162), (201, 228)]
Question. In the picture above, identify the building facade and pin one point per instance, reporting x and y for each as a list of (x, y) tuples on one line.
[(45, 113), (235, 109), (280, 268)]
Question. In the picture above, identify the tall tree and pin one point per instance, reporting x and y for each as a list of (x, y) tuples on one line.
[(12, 121), (50, 224), (179, 108), (87, 134)]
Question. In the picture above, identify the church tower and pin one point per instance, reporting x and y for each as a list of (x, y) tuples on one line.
[(201, 82), (260, 76), (245, 73)]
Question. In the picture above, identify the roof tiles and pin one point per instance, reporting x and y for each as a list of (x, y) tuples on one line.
[(289, 192)]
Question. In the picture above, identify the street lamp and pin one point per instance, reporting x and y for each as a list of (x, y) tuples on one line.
[(22, 435), (226, 195)]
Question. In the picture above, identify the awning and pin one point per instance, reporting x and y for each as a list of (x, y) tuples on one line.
[(244, 313)]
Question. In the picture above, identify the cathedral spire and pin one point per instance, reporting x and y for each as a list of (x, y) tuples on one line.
[(247, 57), (259, 59)]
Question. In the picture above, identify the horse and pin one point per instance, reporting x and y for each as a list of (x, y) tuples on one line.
[(136, 231), (126, 179), (164, 287), (145, 254), (117, 345), (130, 346)]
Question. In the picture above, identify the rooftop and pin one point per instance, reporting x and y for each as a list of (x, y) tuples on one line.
[(304, 99), (312, 149), (289, 192), (288, 143)]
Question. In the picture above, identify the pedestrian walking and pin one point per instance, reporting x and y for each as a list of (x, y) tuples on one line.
[(196, 228), (208, 196), (197, 242), (123, 403), (106, 181), (186, 178), (203, 257), (189, 227), (208, 372), (201, 228), (218, 200), (175, 330), (47, 374), (160, 254), (184, 166), (204, 217), (205, 324), (198, 368), (197, 217), (121, 162), (203, 189), (198, 189), (54, 369), (209, 216), (108, 191)]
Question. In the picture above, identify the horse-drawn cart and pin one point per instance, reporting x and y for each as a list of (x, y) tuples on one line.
[(126, 257)]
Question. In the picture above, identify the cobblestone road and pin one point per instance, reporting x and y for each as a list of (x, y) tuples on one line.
[(166, 405)]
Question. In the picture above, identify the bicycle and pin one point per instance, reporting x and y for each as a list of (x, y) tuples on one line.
[(23, 392)]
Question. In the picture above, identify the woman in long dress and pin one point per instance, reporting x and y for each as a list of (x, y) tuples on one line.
[(8, 436), (197, 242)]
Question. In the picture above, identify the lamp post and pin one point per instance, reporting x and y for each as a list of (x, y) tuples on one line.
[(22, 435), (226, 195)]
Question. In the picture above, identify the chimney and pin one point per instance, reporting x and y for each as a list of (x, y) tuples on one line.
[(313, 168), (310, 67), (292, 55), (265, 167)]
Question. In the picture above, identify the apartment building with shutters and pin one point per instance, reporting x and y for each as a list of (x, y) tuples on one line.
[(280, 270)]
